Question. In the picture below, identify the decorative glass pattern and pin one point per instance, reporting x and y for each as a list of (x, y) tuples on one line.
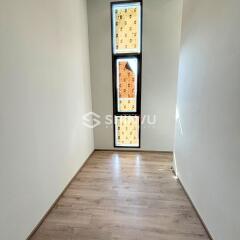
[(126, 27), (127, 84), (126, 62), (127, 131)]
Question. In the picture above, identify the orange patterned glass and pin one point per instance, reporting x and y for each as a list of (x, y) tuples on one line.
[(127, 84), (127, 131), (126, 28), (127, 58)]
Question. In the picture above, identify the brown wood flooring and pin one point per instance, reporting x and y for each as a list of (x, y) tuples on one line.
[(123, 195)]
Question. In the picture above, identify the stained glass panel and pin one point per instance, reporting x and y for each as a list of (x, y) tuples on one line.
[(127, 84), (127, 58), (126, 28), (127, 131)]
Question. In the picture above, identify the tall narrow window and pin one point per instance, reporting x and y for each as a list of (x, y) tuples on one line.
[(126, 70)]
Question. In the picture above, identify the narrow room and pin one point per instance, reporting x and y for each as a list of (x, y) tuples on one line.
[(119, 120)]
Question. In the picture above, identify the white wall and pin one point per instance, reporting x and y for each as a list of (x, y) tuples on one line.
[(44, 90), (208, 135), (161, 38), (99, 25)]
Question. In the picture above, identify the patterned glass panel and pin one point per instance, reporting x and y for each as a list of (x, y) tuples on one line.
[(127, 84), (127, 131), (126, 27)]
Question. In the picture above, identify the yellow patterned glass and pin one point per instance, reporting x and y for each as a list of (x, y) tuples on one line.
[(127, 131), (126, 28), (127, 84)]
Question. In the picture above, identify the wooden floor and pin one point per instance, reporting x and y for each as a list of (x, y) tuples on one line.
[(123, 195)]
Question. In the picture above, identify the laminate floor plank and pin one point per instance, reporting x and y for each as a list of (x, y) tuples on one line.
[(123, 195)]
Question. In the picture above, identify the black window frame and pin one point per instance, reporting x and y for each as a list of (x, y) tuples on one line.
[(116, 56)]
